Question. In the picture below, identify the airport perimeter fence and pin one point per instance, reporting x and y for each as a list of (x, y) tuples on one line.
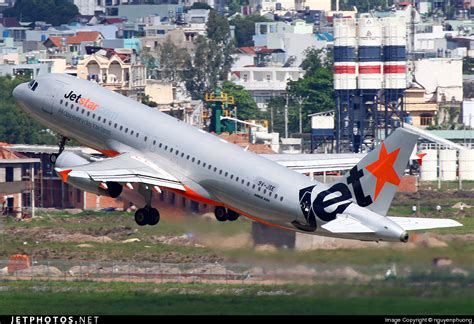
[(226, 273)]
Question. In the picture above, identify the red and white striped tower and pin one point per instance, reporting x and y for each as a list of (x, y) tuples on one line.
[(345, 66), (370, 53), (394, 53)]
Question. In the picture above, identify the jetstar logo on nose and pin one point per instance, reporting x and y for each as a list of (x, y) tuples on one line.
[(383, 169), (87, 103)]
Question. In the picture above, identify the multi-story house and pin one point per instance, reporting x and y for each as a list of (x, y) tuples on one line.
[(115, 69)]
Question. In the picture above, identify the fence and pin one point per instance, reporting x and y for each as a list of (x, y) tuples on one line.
[(221, 273)]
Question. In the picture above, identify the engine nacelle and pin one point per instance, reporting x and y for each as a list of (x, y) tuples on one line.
[(69, 159)]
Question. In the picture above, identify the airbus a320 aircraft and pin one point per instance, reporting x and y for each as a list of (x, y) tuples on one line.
[(148, 151)]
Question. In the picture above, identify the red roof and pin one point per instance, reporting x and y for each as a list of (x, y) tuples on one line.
[(252, 50), (9, 22), (243, 141), (80, 37), (6, 154), (111, 21), (247, 50)]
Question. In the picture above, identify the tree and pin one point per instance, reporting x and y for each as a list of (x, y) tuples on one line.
[(172, 62), (146, 100), (310, 94), (212, 58), (218, 33), (200, 5), (245, 29), (246, 106), (314, 92), (16, 126), (234, 6), (364, 6), (54, 12)]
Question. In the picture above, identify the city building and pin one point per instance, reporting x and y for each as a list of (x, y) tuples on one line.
[(73, 44), (265, 82), (88, 7), (293, 38), (115, 69), (16, 184)]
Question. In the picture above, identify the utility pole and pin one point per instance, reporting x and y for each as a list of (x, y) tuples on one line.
[(300, 106), (286, 116)]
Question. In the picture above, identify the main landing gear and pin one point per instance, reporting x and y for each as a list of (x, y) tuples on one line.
[(62, 143), (223, 214), (147, 215)]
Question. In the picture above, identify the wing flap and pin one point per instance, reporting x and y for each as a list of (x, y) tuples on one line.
[(414, 223), (127, 168), (346, 224)]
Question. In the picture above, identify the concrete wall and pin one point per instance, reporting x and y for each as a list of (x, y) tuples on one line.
[(159, 92), (440, 76)]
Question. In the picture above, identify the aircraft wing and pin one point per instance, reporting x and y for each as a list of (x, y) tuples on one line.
[(125, 168), (415, 223), (346, 224)]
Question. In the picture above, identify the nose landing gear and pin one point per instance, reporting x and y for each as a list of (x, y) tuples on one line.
[(62, 143)]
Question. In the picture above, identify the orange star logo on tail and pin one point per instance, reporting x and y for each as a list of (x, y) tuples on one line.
[(383, 169)]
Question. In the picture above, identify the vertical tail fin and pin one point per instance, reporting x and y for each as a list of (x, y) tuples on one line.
[(374, 180)]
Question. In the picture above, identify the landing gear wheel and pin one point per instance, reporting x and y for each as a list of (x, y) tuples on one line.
[(232, 215), (221, 214), (153, 216), (53, 158), (141, 217)]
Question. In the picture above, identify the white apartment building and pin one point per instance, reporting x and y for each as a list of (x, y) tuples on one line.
[(265, 82)]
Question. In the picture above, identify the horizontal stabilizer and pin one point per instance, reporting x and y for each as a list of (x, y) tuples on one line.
[(414, 223), (346, 224)]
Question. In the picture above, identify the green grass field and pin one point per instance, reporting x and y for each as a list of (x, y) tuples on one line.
[(120, 226), (395, 297), (420, 288)]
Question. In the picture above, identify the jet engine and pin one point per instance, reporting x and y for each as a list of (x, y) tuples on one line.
[(69, 160)]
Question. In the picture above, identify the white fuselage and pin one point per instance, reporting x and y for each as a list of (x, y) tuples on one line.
[(213, 170)]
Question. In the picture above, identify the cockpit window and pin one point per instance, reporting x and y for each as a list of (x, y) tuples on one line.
[(33, 85)]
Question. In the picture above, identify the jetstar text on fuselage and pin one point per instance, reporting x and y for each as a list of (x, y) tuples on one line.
[(85, 102)]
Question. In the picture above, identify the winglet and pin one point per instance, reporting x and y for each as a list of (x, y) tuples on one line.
[(64, 174)]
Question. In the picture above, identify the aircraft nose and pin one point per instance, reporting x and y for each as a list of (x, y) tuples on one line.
[(19, 92)]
